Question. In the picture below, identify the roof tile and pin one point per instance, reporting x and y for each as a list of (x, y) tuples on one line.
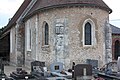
[(46, 4)]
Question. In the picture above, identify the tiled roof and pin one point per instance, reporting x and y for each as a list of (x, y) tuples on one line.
[(46, 4), (115, 30)]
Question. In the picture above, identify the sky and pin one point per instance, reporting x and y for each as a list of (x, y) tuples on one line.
[(115, 15), (9, 7)]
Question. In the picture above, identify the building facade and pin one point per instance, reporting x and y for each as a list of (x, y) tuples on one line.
[(115, 42), (61, 31)]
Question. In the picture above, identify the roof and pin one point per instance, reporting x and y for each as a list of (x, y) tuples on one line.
[(47, 4), (13, 20), (115, 30)]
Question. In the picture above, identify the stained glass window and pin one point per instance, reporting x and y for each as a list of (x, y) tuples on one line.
[(88, 35), (46, 34)]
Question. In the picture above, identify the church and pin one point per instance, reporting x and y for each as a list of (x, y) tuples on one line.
[(64, 31)]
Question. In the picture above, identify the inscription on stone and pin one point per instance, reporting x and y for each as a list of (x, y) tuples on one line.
[(59, 41), (56, 67)]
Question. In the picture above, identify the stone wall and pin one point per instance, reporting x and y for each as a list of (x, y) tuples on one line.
[(71, 48), (13, 55), (17, 45), (108, 43)]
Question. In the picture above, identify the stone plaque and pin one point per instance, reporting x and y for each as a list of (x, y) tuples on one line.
[(56, 67)]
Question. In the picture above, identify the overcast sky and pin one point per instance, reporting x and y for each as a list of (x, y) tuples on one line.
[(7, 10), (9, 7), (115, 15)]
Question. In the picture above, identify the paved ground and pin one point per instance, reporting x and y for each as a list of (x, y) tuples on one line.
[(9, 69)]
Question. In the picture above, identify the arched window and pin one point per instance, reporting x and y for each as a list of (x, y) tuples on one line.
[(117, 49), (45, 34), (88, 35)]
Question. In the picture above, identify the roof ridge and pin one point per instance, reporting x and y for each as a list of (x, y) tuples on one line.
[(115, 29)]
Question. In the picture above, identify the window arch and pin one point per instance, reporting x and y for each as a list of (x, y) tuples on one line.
[(87, 33), (89, 38), (45, 33)]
